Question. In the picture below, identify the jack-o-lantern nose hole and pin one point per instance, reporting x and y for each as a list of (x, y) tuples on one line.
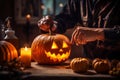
[(60, 50)]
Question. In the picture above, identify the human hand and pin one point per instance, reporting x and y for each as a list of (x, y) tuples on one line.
[(46, 23), (82, 35), (78, 37)]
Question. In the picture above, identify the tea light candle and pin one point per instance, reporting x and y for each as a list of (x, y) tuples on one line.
[(25, 54)]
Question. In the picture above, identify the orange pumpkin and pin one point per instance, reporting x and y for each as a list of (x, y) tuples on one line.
[(79, 64), (50, 49), (95, 60), (7, 52), (101, 65)]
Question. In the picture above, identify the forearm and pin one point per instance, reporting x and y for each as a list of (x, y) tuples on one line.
[(99, 33), (93, 34), (108, 33)]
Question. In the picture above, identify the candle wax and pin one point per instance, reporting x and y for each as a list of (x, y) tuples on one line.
[(25, 56)]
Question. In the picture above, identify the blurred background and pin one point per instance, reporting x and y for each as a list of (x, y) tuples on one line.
[(25, 14)]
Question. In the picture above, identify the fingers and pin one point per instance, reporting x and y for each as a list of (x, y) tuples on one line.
[(73, 36), (78, 37), (81, 38)]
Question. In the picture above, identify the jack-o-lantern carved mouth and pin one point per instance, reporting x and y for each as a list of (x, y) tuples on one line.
[(57, 57), (56, 53)]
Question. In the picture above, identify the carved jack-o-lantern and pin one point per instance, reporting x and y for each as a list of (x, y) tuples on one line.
[(50, 49)]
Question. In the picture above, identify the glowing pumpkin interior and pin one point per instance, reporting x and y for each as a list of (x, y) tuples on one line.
[(58, 52)]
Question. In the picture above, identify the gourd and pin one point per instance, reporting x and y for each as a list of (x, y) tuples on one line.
[(50, 48), (101, 65), (116, 70), (7, 52), (79, 64)]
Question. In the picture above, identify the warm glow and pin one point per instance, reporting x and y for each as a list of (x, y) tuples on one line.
[(25, 54), (28, 16), (65, 45), (54, 46), (58, 57), (60, 50), (26, 48)]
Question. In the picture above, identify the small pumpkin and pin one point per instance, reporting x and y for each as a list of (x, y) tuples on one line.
[(7, 52), (79, 64), (101, 65), (50, 48), (95, 60)]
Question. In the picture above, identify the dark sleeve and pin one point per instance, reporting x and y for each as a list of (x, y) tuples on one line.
[(112, 34), (67, 17)]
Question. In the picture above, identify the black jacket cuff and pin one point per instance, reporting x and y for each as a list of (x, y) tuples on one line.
[(112, 34)]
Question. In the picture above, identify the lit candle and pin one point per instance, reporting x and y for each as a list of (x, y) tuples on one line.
[(25, 56)]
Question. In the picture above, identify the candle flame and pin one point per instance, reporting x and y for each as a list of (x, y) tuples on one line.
[(26, 48)]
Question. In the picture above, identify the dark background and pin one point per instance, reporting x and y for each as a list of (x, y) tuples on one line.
[(7, 9)]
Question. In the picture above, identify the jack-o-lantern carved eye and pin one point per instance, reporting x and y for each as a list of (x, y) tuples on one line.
[(65, 44), (54, 46)]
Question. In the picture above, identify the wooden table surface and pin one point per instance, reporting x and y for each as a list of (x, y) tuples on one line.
[(62, 72)]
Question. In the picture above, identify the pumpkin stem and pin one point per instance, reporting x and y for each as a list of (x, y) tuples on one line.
[(50, 30), (50, 22)]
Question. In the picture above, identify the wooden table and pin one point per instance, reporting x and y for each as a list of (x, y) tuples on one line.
[(62, 72)]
